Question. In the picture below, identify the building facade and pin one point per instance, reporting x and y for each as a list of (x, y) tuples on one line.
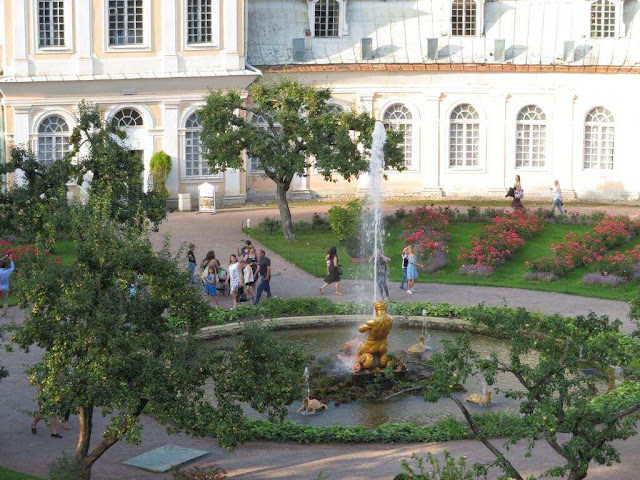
[(482, 89), (147, 63)]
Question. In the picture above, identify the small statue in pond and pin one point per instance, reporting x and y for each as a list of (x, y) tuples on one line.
[(375, 345), (351, 347), (311, 406), (484, 399), (418, 347)]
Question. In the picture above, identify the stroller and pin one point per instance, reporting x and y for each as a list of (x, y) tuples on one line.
[(222, 285)]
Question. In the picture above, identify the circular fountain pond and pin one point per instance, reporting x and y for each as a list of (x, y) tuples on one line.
[(325, 343)]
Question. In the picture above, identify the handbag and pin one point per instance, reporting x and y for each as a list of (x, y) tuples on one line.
[(518, 194), (339, 270), (511, 193)]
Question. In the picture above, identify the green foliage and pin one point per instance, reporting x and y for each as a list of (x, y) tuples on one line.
[(116, 171), (33, 209), (447, 429), (555, 396), (160, 166), (434, 469), (6, 474), (196, 473), (299, 126), (67, 467), (345, 221), (269, 224)]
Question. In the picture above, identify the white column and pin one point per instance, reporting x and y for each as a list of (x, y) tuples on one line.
[(20, 39), (170, 35), (22, 134), (299, 188), (84, 37), (231, 21), (365, 104), (170, 145), (233, 188), (564, 157), (430, 146)]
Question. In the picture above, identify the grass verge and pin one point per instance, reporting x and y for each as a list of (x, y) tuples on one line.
[(6, 474)]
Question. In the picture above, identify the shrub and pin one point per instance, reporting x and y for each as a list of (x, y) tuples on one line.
[(270, 224), (160, 166), (428, 234), (540, 277), (208, 473), (433, 469), (320, 222), (345, 221), (67, 467), (476, 270)]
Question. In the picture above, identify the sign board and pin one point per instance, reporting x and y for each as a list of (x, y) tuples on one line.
[(207, 194)]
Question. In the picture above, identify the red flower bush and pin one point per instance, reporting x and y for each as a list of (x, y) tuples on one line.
[(499, 240), (579, 250), (16, 252), (427, 231)]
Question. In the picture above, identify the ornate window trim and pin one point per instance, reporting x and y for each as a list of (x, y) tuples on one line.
[(479, 27), (618, 28), (595, 132), (412, 123), (58, 136), (531, 120), (146, 30), (470, 126), (185, 130), (215, 28), (67, 28), (343, 26)]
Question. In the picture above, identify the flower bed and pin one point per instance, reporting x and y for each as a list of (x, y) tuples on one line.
[(500, 240), (579, 250), (16, 252), (427, 231)]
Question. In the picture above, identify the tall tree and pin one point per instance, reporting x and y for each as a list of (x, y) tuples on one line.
[(115, 172), (297, 130), (559, 404)]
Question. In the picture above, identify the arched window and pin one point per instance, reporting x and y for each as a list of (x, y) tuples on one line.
[(327, 18), (599, 137), (128, 117), (195, 165), (464, 137), (603, 19), (260, 122), (53, 139), (531, 136), (464, 18), (399, 118)]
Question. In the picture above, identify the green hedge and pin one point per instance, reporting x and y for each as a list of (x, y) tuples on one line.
[(294, 307)]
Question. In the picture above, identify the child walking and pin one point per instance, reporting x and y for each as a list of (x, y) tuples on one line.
[(6, 269)]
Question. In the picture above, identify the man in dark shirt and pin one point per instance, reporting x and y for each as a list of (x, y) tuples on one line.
[(191, 263), (265, 276)]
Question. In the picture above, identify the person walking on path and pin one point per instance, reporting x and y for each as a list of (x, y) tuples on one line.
[(556, 194), (412, 270), (234, 279), (405, 264), (249, 279), (6, 269), (333, 272), (244, 251), (518, 194), (264, 268), (210, 290), (53, 424), (191, 263), (381, 273)]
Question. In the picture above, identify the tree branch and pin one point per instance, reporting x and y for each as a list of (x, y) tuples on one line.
[(504, 463)]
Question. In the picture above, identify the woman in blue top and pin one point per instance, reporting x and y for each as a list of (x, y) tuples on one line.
[(6, 269), (412, 270)]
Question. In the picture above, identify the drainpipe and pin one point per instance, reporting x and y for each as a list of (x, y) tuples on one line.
[(2, 147)]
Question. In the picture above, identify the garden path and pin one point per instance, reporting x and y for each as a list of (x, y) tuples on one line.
[(22, 451)]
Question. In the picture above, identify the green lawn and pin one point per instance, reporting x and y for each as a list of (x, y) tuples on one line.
[(309, 250), (6, 474)]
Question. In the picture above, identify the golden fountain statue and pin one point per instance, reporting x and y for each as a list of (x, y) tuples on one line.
[(375, 346)]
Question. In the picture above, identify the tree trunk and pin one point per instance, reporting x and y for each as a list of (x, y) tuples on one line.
[(577, 474), (285, 212), (85, 421)]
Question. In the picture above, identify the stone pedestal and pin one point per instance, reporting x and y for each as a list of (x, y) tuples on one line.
[(184, 202)]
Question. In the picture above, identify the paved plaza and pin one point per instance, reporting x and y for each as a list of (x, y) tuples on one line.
[(22, 451)]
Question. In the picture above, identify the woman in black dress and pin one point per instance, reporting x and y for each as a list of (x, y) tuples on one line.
[(333, 276)]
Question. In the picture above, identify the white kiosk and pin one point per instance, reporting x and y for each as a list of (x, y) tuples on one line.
[(207, 202)]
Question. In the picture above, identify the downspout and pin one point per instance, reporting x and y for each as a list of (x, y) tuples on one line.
[(2, 146)]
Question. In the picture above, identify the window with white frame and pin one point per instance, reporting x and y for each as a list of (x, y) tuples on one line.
[(195, 164), (51, 22), (398, 117), (531, 136), (464, 18), (603, 19), (327, 18), (126, 22), (53, 139), (260, 122), (128, 117), (200, 22), (464, 137), (599, 138)]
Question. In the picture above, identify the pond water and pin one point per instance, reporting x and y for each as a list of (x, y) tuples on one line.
[(326, 342)]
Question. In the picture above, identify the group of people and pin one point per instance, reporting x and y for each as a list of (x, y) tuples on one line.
[(517, 194), (247, 268)]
